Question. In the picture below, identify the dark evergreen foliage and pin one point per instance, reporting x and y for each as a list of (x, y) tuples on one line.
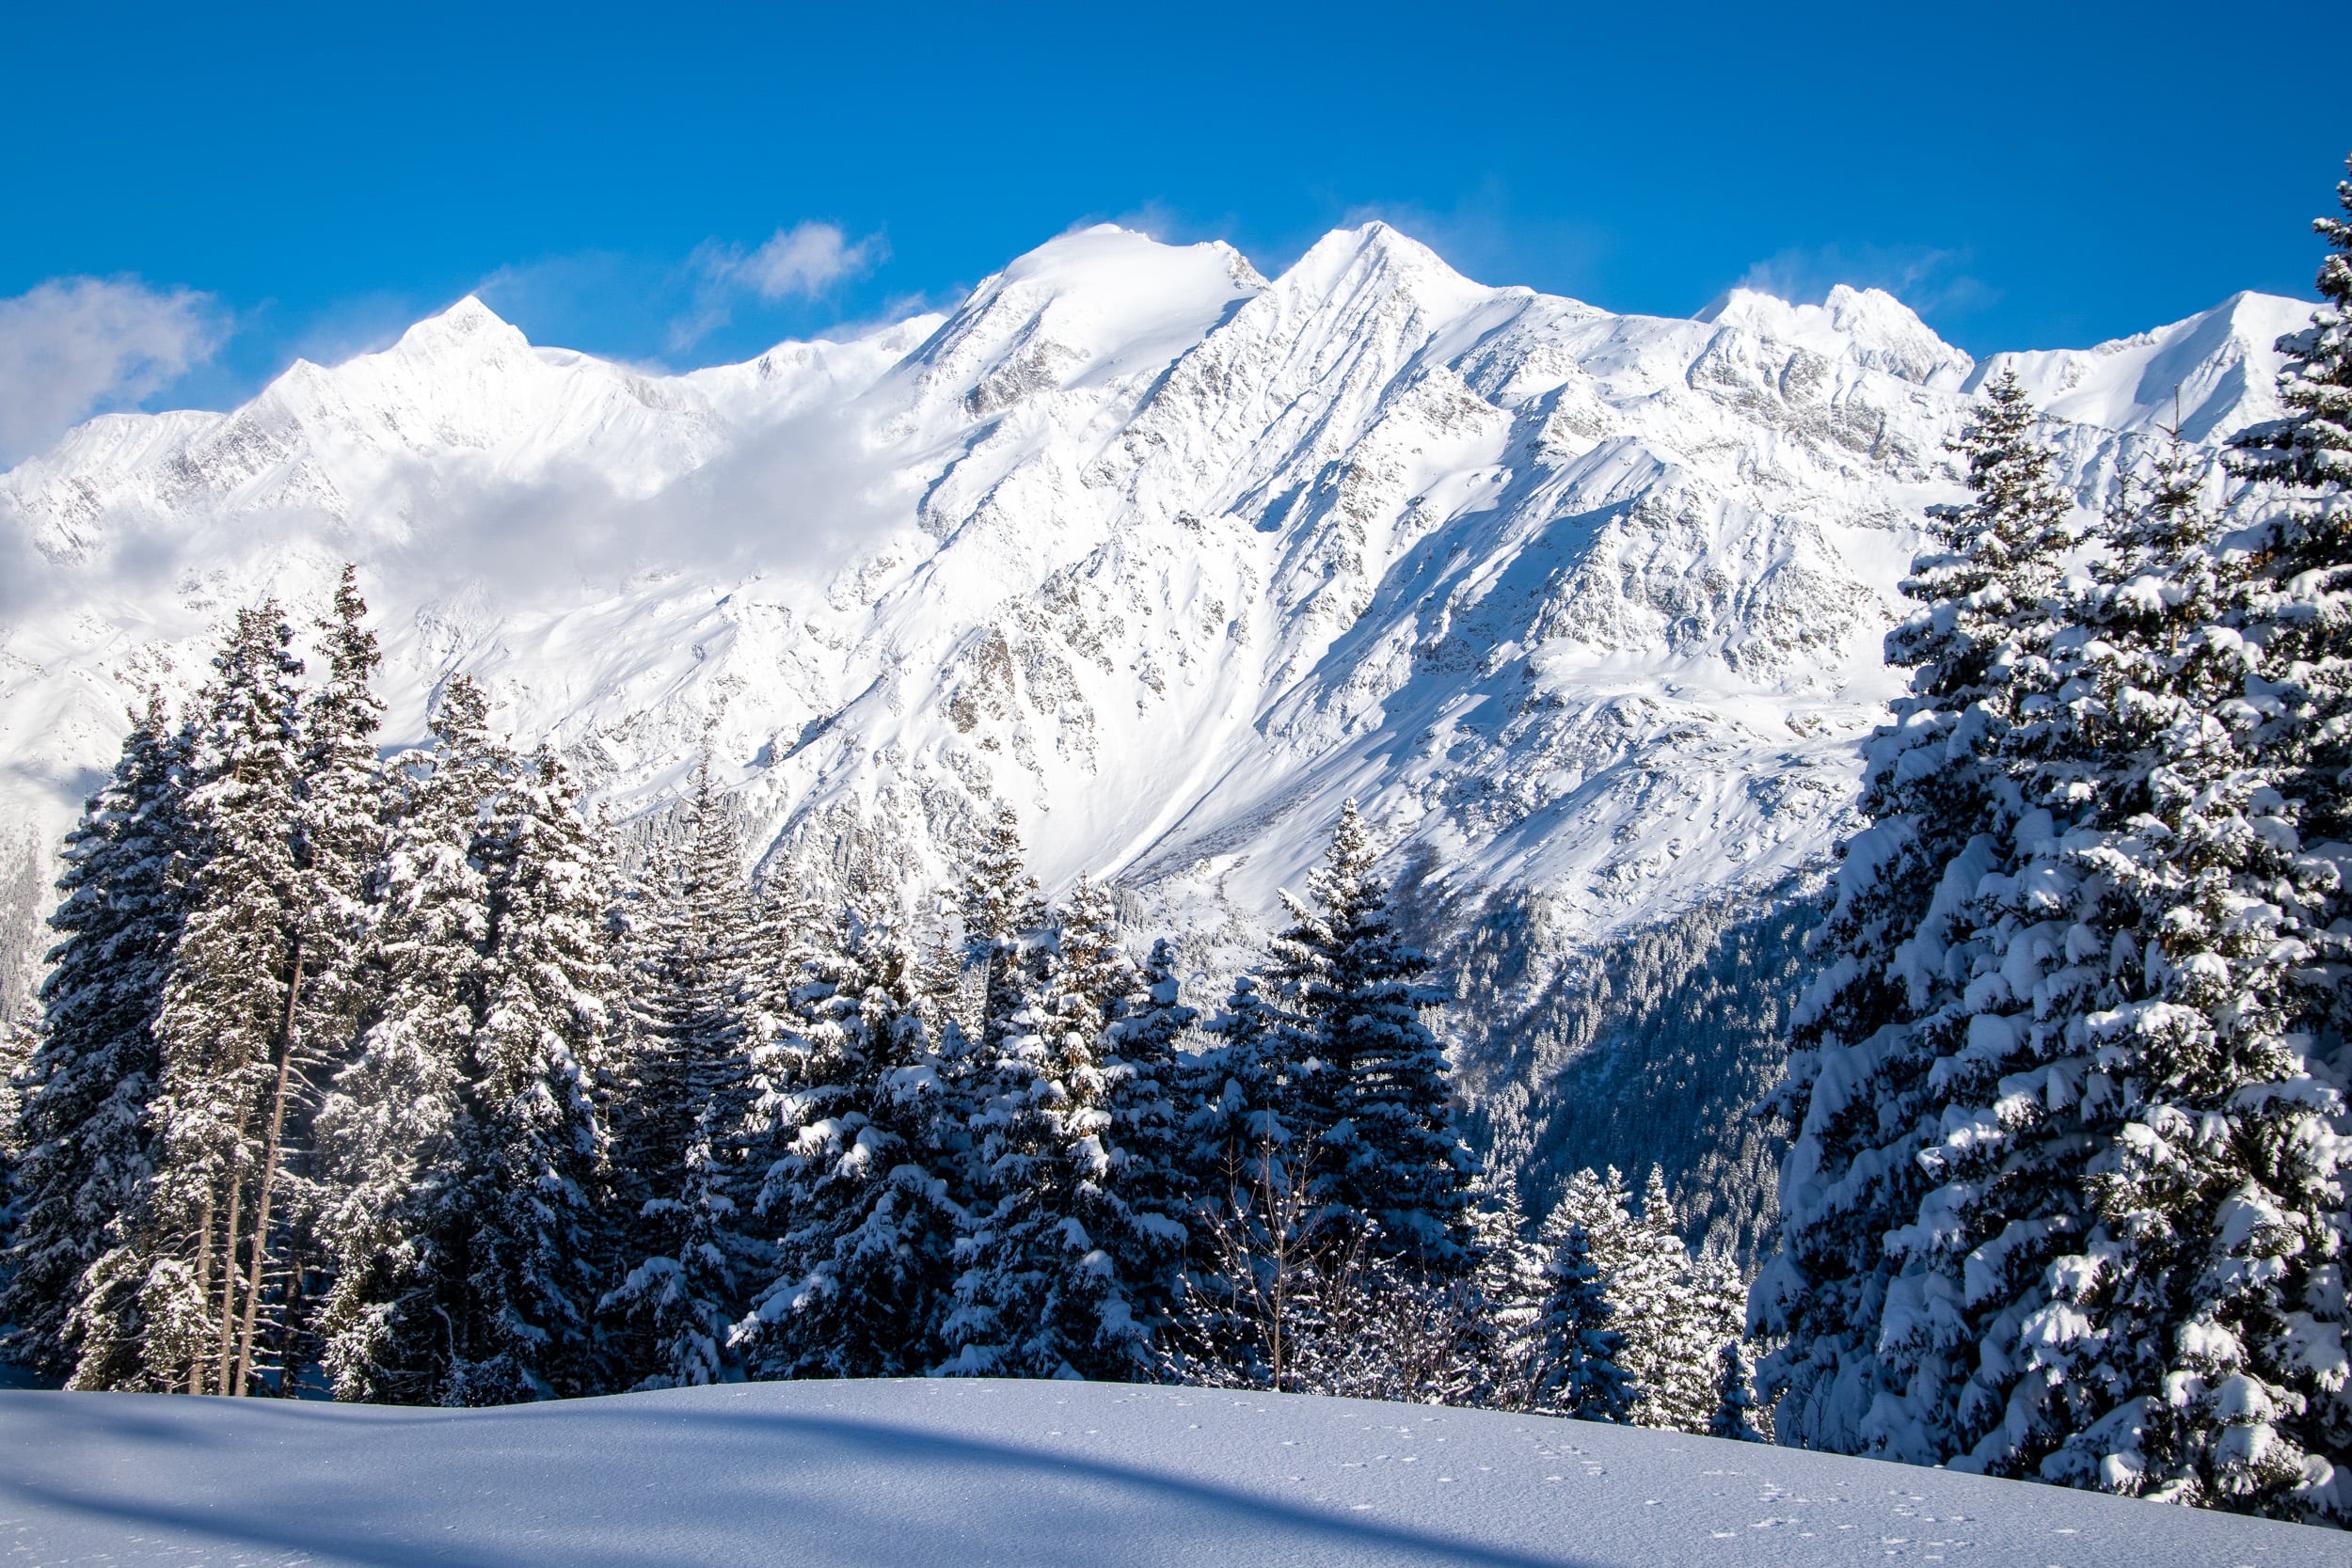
[(81, 1119)]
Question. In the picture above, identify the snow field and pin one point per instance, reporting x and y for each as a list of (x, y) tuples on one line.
[(908, 1474)]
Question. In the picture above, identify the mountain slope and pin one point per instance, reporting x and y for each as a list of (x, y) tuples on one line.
[(1175, 557)]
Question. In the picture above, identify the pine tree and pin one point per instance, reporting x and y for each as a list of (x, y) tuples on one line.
[(1000, 905), (2312, 448), (81, 1122), (1073, 1266), (682, 1182), (1734, 1395), (1580, 1372), (535, 1143), (1871, 1352), (391, 1129), (227, 1023), (1505, 1352), (1365, 1079), (864, 1203)]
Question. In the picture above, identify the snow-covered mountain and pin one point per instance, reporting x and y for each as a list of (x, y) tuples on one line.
[(1586, 607)]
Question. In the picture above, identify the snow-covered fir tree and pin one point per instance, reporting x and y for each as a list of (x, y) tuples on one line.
[(2076, 1180), (1073, 1263), (1505, 1360), (1734, 1395), (391, 1129), (1000, 907), (1674, 1313), (1233, 1095), (682, 1185), (536, 1143), (463, 1138), (340, 851), (1363, 1078), (1580, 1368), (1148, 1098), (1669, 1313), (865, 1202), (80, 1130), (1036, 1295), (228, 1012), (1943, 811)]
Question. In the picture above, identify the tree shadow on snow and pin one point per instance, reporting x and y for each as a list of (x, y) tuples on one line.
[(759, 1487)]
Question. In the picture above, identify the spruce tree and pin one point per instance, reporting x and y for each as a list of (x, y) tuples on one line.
[(392, 1127), (463, 1139), (1231, 1091), (864, 1203), (1148, 1102), (1365, 1079), (1000, 906), (1872, 1356), (2312, 448), (1734, 1395), (535, 1146), (1027, 1299), (338, 851), (226, 1026), (2117, 1263), (682, 1184), (1073, 1265), (81, 1122), (1588, 1240), (1505, 1353), (1581, 1375), (1672, 1326)]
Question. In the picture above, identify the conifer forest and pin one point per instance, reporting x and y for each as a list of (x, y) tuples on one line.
[(411, 1076)]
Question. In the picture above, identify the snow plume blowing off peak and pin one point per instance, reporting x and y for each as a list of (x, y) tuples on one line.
[(1171, 557)]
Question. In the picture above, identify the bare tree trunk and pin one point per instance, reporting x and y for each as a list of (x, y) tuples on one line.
[(269, 1172), (204, 1283), (228, 1259)]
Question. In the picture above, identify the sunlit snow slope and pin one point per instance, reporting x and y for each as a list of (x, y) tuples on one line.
[(916, 1473), (1586, 607)]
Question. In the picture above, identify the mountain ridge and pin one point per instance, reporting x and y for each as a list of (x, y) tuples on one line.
[(1172, 556)]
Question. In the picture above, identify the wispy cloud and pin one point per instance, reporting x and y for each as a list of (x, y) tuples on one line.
[(805, 260), (75, 346), (1930, 281)]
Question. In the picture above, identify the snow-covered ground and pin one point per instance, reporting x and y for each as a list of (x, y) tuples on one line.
[(919, 1473)]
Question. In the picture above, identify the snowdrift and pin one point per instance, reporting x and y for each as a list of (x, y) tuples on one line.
[(909, 1474)]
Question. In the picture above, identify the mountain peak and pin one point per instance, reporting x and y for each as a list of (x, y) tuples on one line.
[(1347, 260), (2206, 374), (467, 324), (1868, 326)]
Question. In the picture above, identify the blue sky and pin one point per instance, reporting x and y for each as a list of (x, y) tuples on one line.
[(684, 183)]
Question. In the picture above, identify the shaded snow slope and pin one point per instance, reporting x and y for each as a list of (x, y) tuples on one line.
[(911, 1473)]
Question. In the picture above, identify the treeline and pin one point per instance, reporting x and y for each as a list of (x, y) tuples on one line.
[(377, 1076), (2067, 1198)]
